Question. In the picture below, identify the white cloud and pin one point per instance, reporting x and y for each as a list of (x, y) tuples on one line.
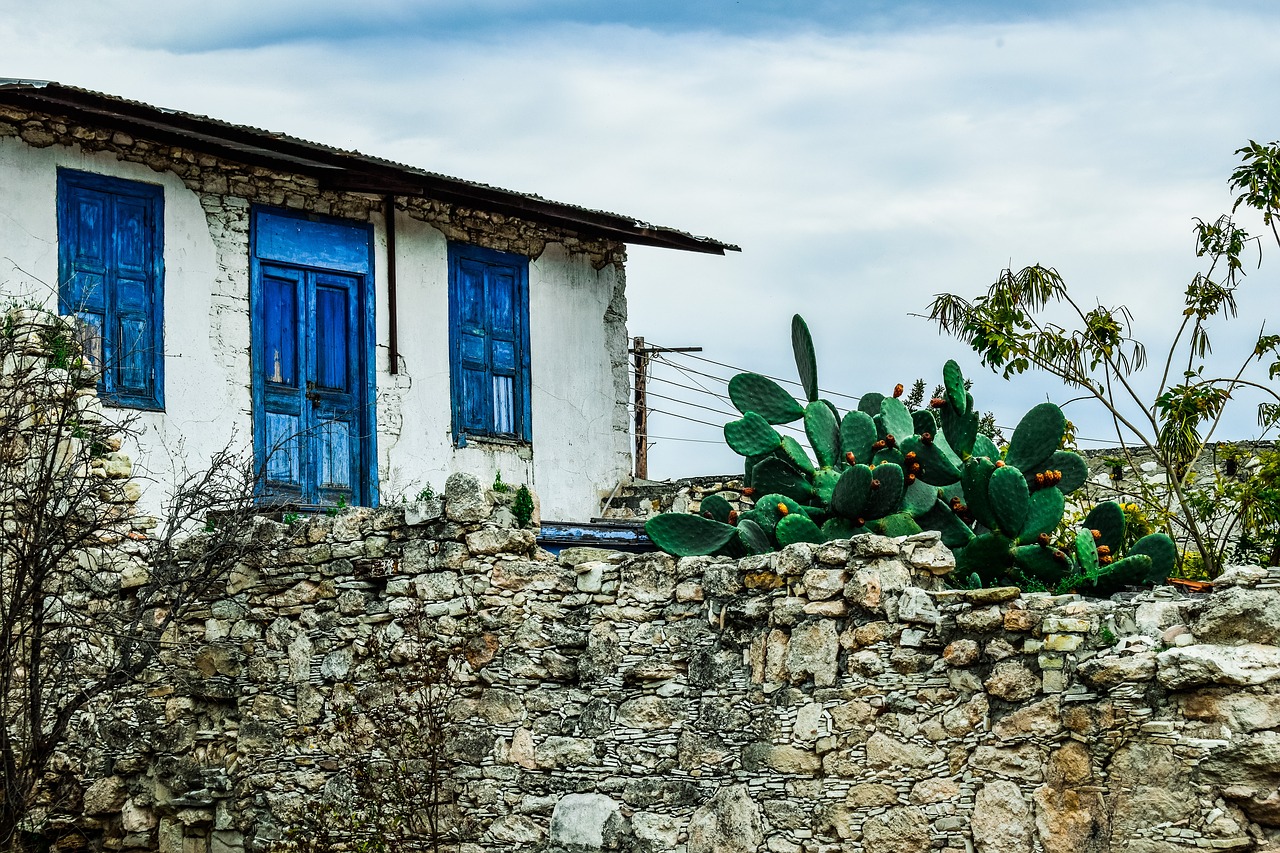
[(861, 172)]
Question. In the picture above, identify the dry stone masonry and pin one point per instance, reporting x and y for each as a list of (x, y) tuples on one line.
[(824, 699)]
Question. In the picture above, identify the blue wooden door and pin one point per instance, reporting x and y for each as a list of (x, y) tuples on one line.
[(313, 419)]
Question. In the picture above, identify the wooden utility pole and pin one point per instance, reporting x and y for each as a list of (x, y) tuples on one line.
[(641, 362)]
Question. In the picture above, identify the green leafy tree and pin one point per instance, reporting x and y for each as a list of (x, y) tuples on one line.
[(1098, 352)]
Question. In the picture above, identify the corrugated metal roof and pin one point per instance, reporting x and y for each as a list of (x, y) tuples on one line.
[(335, 168)]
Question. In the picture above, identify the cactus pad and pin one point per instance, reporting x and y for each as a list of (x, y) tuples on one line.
[(955, 533), (1044, 513), (961, 430), (1087, 553), (953, 384), (936, 467), (806, 360), (824, 483), (923, 420), (775, 475), (753, 538), (1046, 564), (687, 535), (894, 419), (897, 524), (767, 514), (849, 498), (823, 430), (1073, 467), (1108, 519), (988, 555), (796, 527), (1036, 437), (887, 496), (837, 527), (870, 403), (857, 434), (751, 392), (975, 479), (1010, 499), (716, 507), (919, 498), (751, 436), (796, 455), (1130, 571), (1163, 553), (983, 446)]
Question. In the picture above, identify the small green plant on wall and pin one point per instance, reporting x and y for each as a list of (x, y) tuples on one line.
[(522, 507)]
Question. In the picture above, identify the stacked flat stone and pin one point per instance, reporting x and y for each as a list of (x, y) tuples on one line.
[(647, 703)]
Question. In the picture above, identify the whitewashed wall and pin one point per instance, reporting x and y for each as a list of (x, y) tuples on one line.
[(578, 339)]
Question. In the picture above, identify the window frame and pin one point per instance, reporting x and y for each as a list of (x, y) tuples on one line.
[(518, 265), (69, 183)]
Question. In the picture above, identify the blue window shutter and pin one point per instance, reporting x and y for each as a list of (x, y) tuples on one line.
[(111, 276), (488, 328)]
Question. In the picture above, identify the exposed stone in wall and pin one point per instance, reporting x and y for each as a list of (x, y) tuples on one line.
[(648, 703), (639, 499)]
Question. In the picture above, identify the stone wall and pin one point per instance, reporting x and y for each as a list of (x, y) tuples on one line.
[(822, 699)]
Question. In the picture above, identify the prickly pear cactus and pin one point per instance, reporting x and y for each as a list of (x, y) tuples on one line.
[(885, 469)]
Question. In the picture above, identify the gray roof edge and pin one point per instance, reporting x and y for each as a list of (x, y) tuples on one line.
[(626, 229)]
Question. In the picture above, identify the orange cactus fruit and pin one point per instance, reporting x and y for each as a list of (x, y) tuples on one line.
[(911, 454), (733, 516), (898, 389), (748, 491), (782, 509), (910, 478), (890, 441), (850, 458), (1097, 534), (937, 403), (1104, 550), (999, 463), (1039, 479), (875, 484), (1043, 538)]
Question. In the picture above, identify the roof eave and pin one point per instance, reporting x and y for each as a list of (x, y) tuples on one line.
[(336, 169)]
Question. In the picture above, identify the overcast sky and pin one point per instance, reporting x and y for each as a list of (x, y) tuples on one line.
[(864, 155)]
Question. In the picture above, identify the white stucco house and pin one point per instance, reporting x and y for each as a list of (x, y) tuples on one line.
[(370, 327)]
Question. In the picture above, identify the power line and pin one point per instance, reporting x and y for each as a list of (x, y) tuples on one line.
[(765, 375), (734, 415), (690, 440), (685, 418), (697, 388)]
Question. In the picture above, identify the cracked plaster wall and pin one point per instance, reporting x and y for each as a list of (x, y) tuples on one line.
[(577, 314)]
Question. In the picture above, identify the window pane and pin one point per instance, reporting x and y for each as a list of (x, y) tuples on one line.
[(134, 355), (335, 454), (332, 341), (503, 406), (280, 336)]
